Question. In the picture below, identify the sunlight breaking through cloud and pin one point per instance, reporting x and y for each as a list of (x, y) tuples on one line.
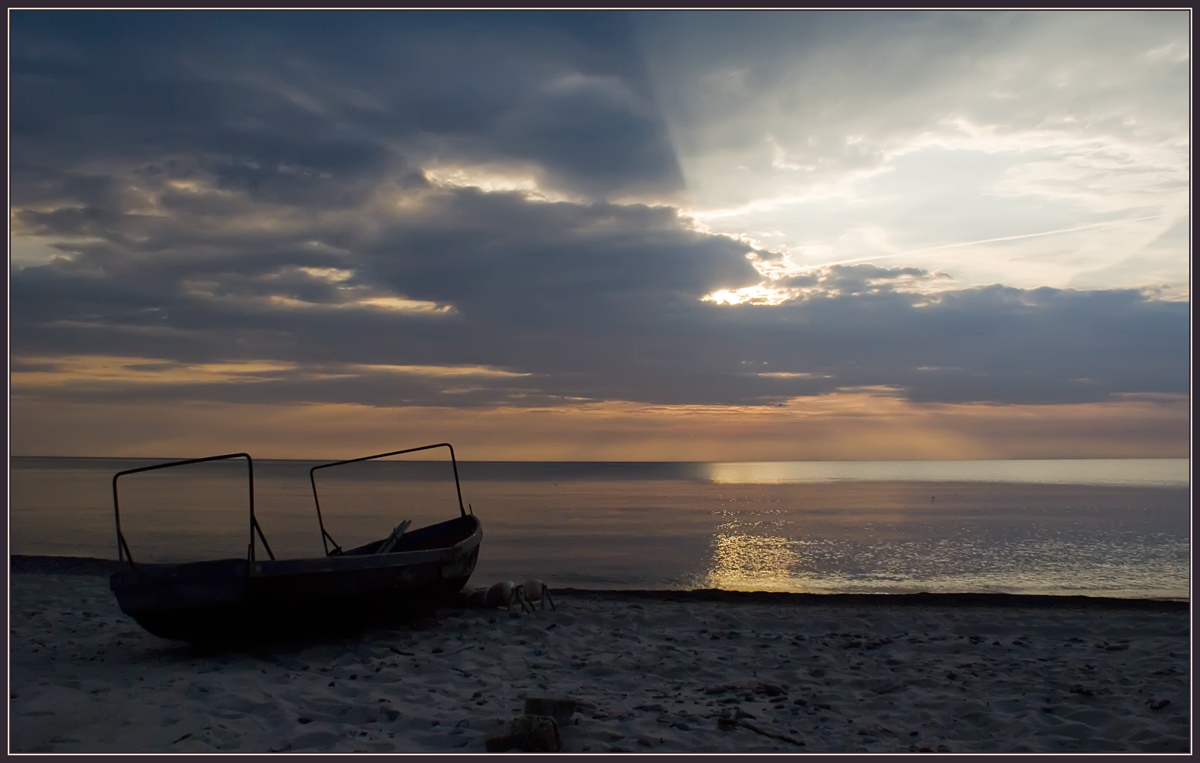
[(787, 283), (492, 180), (752, 295)]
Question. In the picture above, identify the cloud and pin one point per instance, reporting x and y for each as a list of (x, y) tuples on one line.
[(933, 129), (316, 98), (808, 95)]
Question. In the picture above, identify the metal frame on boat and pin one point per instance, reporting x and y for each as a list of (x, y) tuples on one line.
[(252, 599)]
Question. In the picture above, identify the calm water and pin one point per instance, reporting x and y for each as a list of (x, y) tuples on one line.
[(1095, 527)]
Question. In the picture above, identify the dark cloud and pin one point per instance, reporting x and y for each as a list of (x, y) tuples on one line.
[(857, 279), (991, 344), (342, 94)]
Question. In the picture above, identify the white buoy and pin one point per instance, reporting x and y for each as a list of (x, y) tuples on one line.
[(506, 594), (537, 591)]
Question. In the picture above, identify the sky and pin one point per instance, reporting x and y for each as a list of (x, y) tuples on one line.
[(665, 236)]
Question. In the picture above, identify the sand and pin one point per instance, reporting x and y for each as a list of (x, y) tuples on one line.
[(652, 673)]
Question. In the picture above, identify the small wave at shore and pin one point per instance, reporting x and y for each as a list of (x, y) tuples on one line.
[(82, 565)]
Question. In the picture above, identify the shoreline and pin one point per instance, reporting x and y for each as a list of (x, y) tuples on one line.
[(987, 600), (26, 564)]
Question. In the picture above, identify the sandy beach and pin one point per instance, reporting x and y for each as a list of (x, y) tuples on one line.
[(655, 672)]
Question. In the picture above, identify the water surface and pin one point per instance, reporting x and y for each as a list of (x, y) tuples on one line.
[(1112, 528)]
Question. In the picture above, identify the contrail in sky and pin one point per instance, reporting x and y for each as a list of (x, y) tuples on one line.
[(981, 241)]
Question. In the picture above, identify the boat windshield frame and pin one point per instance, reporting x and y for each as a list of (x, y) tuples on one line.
[(124, 557), (326, 538)]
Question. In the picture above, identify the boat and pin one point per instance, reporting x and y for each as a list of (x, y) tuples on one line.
[(254, 599)]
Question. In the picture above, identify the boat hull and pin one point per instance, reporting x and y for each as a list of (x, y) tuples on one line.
[(232, 600)]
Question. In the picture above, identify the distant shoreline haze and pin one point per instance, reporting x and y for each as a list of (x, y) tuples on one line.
[(1133, 472)]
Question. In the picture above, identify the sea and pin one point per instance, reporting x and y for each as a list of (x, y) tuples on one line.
[(1113, 527)]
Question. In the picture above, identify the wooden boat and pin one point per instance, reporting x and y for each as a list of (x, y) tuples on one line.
[(252, 599)]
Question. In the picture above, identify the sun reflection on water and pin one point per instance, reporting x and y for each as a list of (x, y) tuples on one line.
[(752, 563)]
